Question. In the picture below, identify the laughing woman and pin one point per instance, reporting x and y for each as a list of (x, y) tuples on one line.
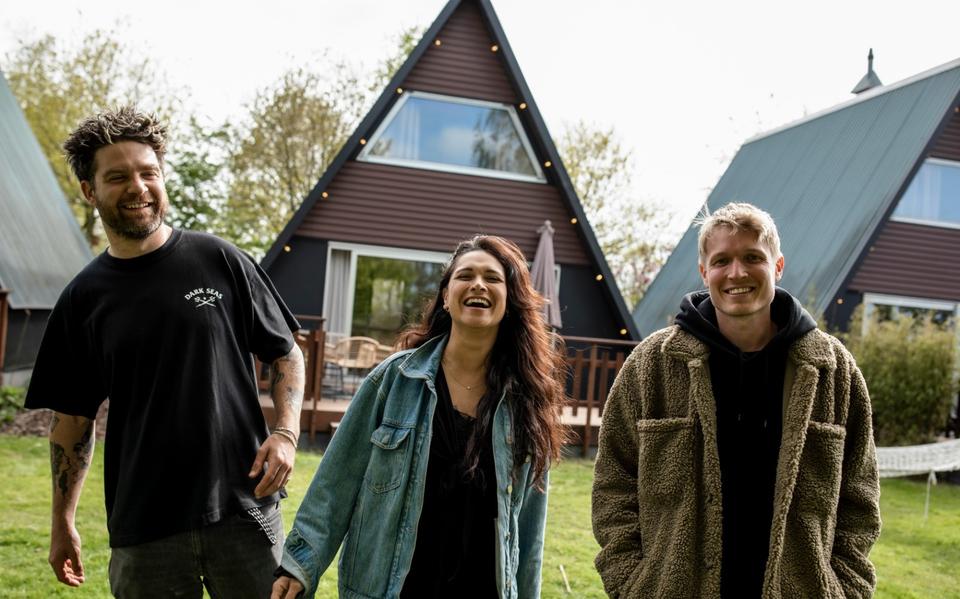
[(436, 480)]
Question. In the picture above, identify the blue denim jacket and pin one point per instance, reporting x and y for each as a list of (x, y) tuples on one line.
[(368, 491)]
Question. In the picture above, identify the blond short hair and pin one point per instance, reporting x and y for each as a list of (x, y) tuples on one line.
[(739, 216)]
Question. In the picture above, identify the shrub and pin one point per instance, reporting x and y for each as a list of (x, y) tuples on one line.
[(11, 403), (910, 368)]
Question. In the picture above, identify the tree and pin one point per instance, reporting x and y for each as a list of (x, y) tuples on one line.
[(57, 84), (197, 178), (630, 230), (294, 129)]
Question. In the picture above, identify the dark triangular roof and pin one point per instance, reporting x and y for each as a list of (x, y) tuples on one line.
[(829, 180), (533, 123), (41, 246)]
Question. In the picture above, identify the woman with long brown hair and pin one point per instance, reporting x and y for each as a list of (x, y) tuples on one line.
[(436, 480)]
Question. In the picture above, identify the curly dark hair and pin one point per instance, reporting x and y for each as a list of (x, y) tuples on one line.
[(126, 123), (527, 360)]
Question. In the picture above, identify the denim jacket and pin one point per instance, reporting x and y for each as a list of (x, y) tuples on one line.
[(368, 491)]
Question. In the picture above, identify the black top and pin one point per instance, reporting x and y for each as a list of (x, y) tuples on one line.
[(455, 555), (748, 389), (168, 337)]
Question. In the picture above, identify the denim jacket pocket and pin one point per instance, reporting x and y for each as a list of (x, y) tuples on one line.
[(387, 459)]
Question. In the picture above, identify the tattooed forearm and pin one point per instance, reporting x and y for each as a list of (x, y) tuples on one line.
[(71, 450), (287, 381), (59, 467), (84, 448)]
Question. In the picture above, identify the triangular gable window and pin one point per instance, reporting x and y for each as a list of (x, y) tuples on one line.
[(455, 135)]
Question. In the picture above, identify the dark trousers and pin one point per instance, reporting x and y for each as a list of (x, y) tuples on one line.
[(232, 558)]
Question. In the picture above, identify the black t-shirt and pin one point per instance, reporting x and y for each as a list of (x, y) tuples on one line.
[(168, 337), (455, 554)]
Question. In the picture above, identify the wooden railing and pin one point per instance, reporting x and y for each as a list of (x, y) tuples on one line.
[(594, 364)]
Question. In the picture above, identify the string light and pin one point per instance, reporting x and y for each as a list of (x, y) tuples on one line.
[(494, 48), (399, 90), (286, 248), (523, 105), (573, 220), (599, 277), (363, 142), (325, 195), (437, 42), (623, 331), (839, 300), (548, 164)]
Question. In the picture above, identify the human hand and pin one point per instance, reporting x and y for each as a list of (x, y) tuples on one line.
[(278, 453), (65, 555), (286, 588)]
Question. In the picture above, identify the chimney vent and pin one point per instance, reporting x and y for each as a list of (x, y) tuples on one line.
[(870, 80)]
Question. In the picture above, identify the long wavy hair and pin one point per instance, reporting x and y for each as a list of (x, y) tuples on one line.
[(527, 360)]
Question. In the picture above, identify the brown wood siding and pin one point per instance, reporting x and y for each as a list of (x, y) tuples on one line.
[(912, 260), (948, 145), (463, 64), (429, 210)]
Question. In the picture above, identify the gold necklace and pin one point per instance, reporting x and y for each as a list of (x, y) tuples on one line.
[(449, 373)]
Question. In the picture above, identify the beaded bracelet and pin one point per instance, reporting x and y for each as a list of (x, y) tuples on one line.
[(286, 433)]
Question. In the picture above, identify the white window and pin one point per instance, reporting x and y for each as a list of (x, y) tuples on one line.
[(891, 307), (933, 197), (451, 134), (374, 291)]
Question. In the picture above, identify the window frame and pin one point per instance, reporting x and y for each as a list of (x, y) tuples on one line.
[(372, 251), (925, 221), (365, 153), (870, 300)]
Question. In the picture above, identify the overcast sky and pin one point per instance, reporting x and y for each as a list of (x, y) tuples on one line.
[(683, 83)]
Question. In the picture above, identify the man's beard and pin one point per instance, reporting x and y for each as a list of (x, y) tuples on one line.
[(136, 230)]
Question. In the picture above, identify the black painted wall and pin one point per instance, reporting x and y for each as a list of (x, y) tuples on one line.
[(24, 333), (299, 275), (584, 307)]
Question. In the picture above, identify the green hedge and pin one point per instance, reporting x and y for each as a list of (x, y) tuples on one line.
[(910, 368), (11, 402)]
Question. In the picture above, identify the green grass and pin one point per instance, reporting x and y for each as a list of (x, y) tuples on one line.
[(914, 559)]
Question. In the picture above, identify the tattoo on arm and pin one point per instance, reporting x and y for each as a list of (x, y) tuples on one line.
[(68, 467), (290, 371), (59, 467)]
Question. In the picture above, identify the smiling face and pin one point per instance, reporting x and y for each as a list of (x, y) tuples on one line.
[(127, 189), (741, 274), (476, 295)]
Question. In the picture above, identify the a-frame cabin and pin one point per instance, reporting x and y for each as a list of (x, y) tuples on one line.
[(454, 146), (866, 196), (41, 245)]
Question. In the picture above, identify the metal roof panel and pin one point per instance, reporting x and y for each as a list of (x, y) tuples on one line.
[(41, 246)]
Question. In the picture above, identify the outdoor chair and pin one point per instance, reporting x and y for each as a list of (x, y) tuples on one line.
[(358, 354)]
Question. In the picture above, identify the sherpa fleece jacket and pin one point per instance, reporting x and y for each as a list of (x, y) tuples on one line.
[(657, 488)]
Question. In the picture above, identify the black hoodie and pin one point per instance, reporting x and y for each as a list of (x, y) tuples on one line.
[(748, 389)]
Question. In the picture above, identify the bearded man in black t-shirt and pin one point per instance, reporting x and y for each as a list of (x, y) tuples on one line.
[(164, 323)]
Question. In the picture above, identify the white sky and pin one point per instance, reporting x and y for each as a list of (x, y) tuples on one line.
[(683, 83)]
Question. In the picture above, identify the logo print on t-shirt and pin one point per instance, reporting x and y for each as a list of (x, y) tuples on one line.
[(203, 296)]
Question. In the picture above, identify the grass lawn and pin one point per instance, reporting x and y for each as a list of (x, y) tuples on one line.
[(914, 559)]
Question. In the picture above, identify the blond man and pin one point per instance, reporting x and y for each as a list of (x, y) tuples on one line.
[(736, 455)]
